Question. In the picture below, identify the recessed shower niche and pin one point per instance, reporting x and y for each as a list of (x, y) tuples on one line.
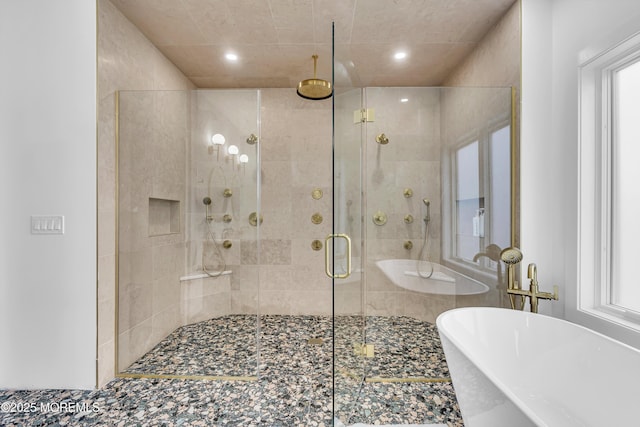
[(164, 216)]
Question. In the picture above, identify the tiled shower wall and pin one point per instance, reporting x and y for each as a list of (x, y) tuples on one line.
[(494, 63), (126, 60), (212, 170), (411, 161), (279, 273), (153, 137), (296, 159)]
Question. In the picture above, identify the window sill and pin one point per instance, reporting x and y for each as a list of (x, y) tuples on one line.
[(613, 317)]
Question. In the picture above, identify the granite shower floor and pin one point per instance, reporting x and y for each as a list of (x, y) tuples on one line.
[(226, 346), (295, 381)]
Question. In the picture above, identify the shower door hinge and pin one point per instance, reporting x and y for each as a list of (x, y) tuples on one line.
[(364, 115), (363, 349)]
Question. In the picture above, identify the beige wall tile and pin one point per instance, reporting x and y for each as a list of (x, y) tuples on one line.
[(126, 61)]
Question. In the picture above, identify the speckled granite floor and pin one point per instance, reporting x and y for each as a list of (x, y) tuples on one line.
[(295, 382)]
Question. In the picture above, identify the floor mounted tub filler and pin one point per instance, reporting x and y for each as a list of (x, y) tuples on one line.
[(513, 368)]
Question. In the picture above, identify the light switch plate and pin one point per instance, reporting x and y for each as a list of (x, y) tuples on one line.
[(47, 224)]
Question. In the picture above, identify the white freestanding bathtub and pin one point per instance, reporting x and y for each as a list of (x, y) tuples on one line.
[(512, 368)]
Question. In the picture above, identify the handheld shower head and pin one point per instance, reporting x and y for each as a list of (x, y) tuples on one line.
[(206, 201), (427, 203), (511, 256)]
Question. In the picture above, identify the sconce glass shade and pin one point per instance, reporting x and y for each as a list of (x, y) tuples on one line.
[(243, 158), (233, 150), (217, 139)]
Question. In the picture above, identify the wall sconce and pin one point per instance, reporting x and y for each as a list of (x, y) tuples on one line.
[(216, 142), (232, 154), (244, 159)]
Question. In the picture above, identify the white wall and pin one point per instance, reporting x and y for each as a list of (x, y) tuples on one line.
[(558, 35), (48, 166), (538, 213)]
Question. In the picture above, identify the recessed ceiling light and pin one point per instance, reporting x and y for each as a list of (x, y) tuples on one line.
[(231, 56), (404, 100), (400, 55)]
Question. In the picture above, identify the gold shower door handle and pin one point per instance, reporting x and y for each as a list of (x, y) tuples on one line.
[(327, 258)]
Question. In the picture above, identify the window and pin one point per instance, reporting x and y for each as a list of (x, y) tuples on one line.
[(609, 215), (624, 287), (481, 200), (500, 186), (469, 203)]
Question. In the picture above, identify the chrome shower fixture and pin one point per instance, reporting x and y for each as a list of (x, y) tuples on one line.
[(252, 139)]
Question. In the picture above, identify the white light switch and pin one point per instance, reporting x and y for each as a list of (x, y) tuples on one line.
[(50, 224)]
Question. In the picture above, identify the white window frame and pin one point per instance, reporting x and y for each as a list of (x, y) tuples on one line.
[(483, 138), (595, 183)]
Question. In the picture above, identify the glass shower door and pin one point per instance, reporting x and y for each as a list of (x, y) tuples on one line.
[(344, 253)]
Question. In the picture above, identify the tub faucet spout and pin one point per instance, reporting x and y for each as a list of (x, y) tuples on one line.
[(512, 256), (532, 273), (534, 293)]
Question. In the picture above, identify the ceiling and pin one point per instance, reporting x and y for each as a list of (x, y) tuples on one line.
[(274, 39)]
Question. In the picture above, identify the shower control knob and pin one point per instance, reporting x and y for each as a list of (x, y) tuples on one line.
[(408, 245), (380, 218), (316, 218)]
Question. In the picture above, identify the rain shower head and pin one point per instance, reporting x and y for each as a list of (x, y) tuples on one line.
[(315, 88)]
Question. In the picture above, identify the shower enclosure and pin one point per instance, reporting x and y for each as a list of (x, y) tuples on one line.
[(423, 186), (252, 248)]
